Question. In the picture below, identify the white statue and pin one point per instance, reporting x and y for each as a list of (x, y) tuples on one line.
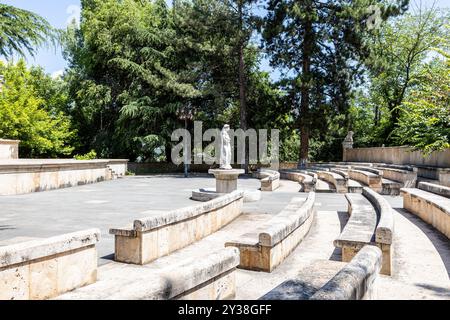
[(225, 150)]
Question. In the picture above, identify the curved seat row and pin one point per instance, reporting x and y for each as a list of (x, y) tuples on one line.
[(271, 242), (431, 203), (270, 179)]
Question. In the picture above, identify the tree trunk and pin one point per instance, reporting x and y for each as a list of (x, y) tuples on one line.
[(243, 84), (305, 123)]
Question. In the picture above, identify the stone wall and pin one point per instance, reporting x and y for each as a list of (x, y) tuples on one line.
[(398, 155), (161, 234), (45, 268), (26, 176), (9, 149)]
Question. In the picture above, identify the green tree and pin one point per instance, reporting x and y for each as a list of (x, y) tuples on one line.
[(320, 45), (424, 121), (31, 112), (399, 50), (22, 31)]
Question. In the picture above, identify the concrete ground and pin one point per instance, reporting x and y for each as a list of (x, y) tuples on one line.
[(421, 258)]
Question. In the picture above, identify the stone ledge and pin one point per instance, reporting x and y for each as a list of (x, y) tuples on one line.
[(165, 232), (385, 227), (271, 242), (171, 217), (355, 280), (435, 188), (37, 249), (360, 228), (430, 207), (209, 278), (286, 222)]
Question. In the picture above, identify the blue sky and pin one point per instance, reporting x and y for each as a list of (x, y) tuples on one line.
[(59, 12)]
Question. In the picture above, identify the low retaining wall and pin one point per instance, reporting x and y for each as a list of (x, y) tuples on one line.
[(9, 149), (398, 155), (211, 277), (273, 241), (157, 236), (432, 208), (26, 176), (45, 268)]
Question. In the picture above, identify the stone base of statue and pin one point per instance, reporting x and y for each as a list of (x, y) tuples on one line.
[(226, 182)]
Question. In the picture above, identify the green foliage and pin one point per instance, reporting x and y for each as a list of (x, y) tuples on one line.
[(31, 106), (88, 156), (22, 31), (425, 115), (399, 50)]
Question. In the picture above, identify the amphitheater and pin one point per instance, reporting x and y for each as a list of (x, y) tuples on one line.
[(374, 226)]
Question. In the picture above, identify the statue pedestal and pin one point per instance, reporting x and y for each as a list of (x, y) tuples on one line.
[(226, 180)]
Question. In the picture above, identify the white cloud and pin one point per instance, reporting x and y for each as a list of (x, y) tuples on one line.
[(57, 74)]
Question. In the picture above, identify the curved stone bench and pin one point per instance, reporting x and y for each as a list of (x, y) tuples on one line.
[(329, 280), (44, 268), (407, 178), (270, 179), (338, 181), (156, 236), (430, 207), (371, 223), (374, 179), (435, 188), (305, 180), (368, 178), (267, 247), (211, 277)]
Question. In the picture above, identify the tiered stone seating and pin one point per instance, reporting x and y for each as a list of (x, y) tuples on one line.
[(431, 203), (329, 280), (374, 179), (338, 181), (270, 179), (159, 235), (371, 223), (45, 268), (271, 242), (308, 182), (209, 277), (405, 175)]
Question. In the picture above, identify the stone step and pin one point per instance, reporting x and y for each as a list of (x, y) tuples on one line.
[(354, 186), (324, 187), (390, 188)]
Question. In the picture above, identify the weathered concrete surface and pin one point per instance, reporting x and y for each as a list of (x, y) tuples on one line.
[(112, 203), (308, 183)]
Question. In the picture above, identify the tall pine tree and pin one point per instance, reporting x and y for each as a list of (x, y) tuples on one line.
[(320, 46)]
